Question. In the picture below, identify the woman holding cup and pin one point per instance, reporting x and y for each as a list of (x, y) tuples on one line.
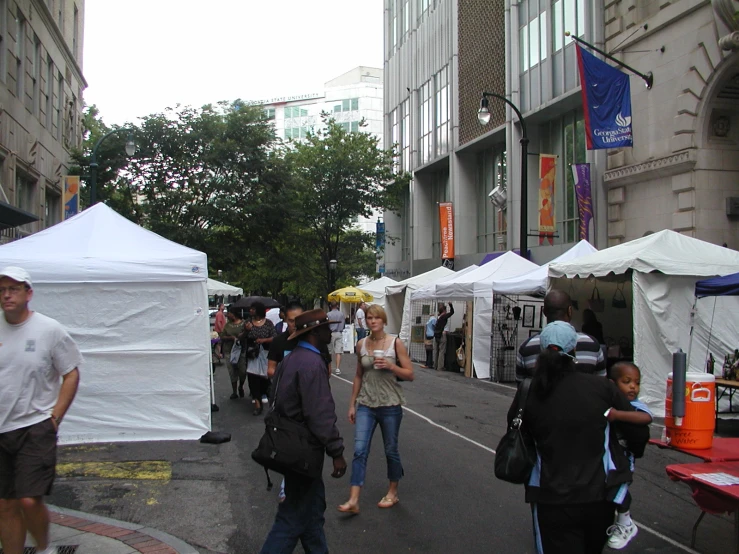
[(377, 399)]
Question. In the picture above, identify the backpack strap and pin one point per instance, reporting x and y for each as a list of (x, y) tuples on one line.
[(523, 394)]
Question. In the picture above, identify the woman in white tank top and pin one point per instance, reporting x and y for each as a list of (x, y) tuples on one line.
[(377, 399)]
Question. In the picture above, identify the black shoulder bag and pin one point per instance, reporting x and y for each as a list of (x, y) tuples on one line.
[(288, 446), (515, 456)]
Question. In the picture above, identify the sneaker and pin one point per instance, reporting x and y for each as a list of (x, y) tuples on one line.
[(620, 535), (49, 550), (337, 371)]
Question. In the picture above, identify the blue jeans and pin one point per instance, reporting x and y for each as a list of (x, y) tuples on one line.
[(361, 333), (367, 419), (299, 517)]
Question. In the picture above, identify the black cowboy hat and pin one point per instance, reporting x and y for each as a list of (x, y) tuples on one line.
[(307, 321)]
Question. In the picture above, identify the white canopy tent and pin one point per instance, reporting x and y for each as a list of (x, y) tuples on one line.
[(217, 288), (136, 304), (377, 289), (477, 286), (534, 283), (395, 296), (658, 273), (428, 292)]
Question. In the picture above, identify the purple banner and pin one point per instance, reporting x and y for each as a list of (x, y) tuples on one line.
[(581, 173)]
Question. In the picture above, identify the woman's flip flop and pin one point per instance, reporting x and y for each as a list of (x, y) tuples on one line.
[(348, 509), (388, 502)]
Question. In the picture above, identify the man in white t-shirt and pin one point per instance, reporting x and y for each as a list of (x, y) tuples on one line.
[(39, 375), (361, 322)]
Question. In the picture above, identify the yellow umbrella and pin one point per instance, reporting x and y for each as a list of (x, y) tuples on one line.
[(351, 295)]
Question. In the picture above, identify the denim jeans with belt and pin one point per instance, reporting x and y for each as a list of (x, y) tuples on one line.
[(300, 517), (367, 419)]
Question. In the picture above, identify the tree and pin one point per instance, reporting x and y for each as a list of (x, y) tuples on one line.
[(339, 176)]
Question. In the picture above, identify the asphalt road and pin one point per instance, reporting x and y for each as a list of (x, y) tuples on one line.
[(214, 496)]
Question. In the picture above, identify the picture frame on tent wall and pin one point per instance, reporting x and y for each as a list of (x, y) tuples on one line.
[(529, 314), (534, 332), (417, 333), (426, 309)]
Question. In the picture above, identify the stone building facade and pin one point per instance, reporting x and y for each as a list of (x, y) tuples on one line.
[(41, 86), (683, 172)]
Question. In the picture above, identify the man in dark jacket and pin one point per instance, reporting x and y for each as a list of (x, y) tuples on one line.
[(440, 334), (303, 394)]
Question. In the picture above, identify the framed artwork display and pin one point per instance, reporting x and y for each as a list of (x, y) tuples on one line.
[(529, 314), (534, 332), (418, 320), (426, 309), (417, 333)]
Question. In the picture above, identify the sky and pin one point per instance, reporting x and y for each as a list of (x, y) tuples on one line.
[(141, 56)]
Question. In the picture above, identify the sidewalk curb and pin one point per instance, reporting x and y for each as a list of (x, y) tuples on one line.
[(177, 544)]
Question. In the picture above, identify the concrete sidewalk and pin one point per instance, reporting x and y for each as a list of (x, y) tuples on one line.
[(93, 534)]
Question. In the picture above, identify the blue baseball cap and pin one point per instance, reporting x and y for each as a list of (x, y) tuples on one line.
[(560, 336)]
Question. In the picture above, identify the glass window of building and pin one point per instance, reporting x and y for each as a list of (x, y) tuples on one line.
[(395, 134), (442, 111), (532, 35), (295, 111), (20, 54), (53, 208), (405, 135), (347, 105), (567, 15), (426, 120), (423, 6), (269, 113), (25, 197)]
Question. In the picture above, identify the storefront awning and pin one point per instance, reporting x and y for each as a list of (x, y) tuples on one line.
[(10, 216)]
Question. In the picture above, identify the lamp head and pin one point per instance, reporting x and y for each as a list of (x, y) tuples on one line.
[(332, 264), (498, 197), (483, 114), (130, 145)]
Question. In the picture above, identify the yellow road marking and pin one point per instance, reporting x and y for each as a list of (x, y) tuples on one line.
[(145, 470)]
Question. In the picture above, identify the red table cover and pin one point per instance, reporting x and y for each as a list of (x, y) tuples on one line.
[(723, 450), (711, 498)]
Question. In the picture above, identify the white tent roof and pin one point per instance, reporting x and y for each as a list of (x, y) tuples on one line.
[(535, 281), (666, 251), (428, 292), (418, 281), (480, 281), (378, 285), (100, 246), (222, 289)]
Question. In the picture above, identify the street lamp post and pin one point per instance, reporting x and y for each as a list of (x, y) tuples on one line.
[(130, 151), (483, 115), (332, 275)]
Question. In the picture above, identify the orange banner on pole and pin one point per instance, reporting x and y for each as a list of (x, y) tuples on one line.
[(71, 196), (446, 221), (547, 189)]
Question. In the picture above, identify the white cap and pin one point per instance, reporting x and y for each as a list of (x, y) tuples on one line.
[(17, 274)]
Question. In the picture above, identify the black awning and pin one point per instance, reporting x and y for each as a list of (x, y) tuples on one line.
[(10, 216)]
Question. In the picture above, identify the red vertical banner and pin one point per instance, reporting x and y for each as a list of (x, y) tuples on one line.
[(446, 224), (547, 189)]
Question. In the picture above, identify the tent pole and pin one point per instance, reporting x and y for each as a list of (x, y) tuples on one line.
[(468, 339), (692, 325)]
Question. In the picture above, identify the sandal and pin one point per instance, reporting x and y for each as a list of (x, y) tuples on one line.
[(388, 502), (348, 508)]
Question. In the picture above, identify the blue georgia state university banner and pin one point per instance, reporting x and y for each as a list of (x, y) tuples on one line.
[(606, 97)]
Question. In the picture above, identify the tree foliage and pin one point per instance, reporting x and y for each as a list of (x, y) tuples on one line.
[(270, 215)]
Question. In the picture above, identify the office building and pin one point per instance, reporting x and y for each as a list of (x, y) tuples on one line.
[(681, 174)]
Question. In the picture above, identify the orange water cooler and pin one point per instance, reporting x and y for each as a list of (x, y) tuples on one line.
[(699, 423)]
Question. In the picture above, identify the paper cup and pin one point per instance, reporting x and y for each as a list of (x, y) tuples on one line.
[(378, 354)]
